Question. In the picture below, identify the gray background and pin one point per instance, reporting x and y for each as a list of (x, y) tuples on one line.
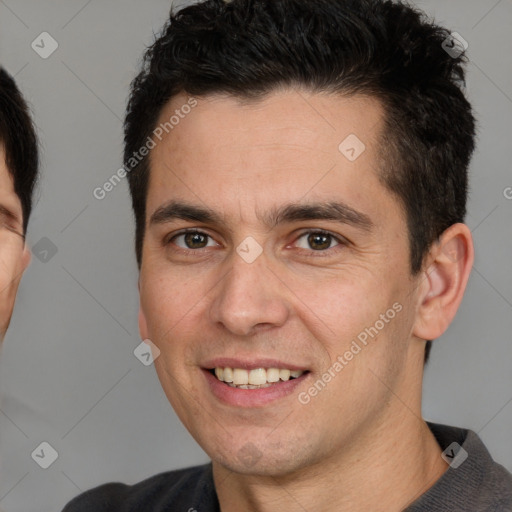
[(68, 374)]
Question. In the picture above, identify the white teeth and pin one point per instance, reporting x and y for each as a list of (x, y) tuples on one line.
[(228, 375), (284, 374), (255, 378), (240, 376), (249, 386), (273, 375)]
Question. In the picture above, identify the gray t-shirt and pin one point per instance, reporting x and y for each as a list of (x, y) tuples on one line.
[(477, 484)]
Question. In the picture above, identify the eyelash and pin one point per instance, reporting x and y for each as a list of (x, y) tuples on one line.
[(318, 253)]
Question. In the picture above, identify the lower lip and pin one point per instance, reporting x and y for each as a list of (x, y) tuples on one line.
[(252, 397)]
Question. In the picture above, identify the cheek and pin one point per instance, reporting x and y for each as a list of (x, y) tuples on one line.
[(164, 302), (344, 303), (174, 309), (364, 314)]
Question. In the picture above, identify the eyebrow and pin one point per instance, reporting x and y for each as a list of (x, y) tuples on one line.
[(291, 212)]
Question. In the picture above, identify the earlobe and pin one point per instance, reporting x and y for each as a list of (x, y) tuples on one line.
[(445, 278)]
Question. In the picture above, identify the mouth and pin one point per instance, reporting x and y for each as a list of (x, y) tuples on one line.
[(256, 378)]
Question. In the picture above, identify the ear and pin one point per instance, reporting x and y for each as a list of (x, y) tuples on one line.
[(444, 281), (26, 256), (143, 326)]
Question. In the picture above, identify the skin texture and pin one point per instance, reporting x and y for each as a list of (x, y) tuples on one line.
[(361, 443), (14, 254)]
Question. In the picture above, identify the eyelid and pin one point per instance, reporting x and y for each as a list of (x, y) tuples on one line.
[(342, 241), (186, 231)]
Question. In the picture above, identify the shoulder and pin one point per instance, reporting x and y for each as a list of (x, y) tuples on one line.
[(473, 481), (180, 488)]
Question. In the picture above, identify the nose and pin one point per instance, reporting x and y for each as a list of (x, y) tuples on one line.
[(249, 298)]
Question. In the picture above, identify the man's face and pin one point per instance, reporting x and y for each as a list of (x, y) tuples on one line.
[(295, 295), (14, 256)]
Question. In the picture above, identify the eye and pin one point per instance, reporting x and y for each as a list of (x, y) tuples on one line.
[(192, 240), (318, 240)]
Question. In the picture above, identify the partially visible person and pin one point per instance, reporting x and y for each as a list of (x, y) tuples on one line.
[(19, 158), (309, 192)]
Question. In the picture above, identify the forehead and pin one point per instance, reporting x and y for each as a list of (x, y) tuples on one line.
[(291, 145), (312, 121)]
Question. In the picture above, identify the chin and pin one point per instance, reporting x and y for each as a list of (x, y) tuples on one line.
[(248, 460), (259, 468)]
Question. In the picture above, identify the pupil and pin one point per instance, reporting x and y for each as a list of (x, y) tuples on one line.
[(194, 240), (318, 241)]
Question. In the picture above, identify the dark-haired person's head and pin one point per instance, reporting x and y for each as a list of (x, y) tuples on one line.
[(18, 174), (384, 51), (298, 172)]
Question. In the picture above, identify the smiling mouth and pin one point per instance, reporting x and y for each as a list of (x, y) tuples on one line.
[(254, 379)]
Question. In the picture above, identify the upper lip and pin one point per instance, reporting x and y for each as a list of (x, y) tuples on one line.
[(250, 364)]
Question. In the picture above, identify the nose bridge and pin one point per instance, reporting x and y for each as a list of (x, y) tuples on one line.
[(248, 296)]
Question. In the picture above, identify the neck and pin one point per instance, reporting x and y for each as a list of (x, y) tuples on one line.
[(387, 468)]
